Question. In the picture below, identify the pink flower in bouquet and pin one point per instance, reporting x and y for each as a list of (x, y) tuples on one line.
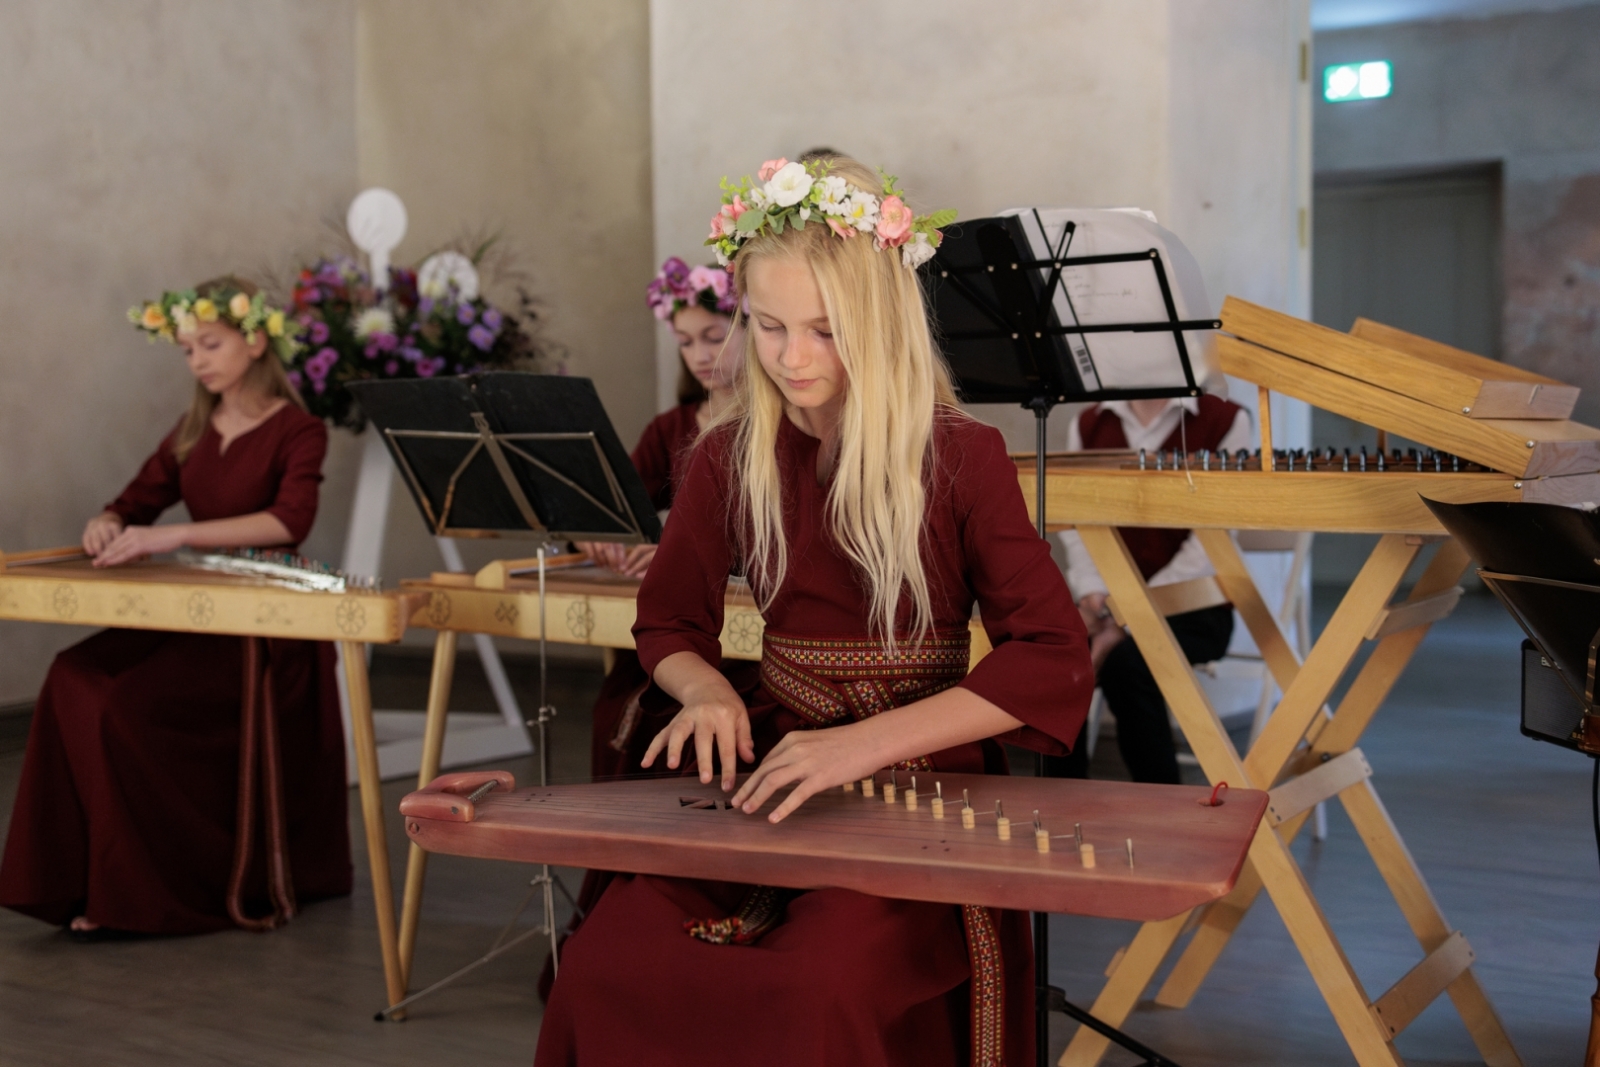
[(771, 167), (894, 222)]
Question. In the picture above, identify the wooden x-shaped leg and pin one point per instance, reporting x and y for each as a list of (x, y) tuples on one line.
[(1329, 766)]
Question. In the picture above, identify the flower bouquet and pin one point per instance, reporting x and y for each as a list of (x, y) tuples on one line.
[(350, 330)]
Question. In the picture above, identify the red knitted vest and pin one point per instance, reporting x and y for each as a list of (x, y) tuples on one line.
[(1153, 549)]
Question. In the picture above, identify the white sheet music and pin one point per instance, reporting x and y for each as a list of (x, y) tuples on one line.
[(1109, 293)]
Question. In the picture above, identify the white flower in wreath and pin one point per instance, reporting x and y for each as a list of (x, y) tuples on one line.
[(917, 251), (789, 185), (373, 320), (861, 211), (758, 200), (833, 194)]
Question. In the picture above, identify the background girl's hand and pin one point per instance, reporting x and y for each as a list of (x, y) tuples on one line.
[(637, 560), (715, 717), (136, 542), (101, 531), (811, 761), (607, 554)]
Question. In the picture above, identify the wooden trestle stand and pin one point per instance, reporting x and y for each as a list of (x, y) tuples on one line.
[(1508, 424)]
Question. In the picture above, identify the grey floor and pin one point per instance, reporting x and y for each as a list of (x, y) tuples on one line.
[(1499, 825)]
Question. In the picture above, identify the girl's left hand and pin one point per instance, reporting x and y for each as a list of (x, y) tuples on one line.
[(136, 542), (811, 761)]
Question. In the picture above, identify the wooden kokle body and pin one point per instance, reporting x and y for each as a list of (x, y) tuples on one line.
[(1185, 851)]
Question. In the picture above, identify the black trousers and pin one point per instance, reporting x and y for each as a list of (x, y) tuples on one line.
[(1144, 735)]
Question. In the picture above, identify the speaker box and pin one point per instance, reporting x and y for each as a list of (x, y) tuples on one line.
[(1550, 710)]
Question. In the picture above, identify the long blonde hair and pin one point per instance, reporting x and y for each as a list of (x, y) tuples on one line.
[(897, 383), (266, 375)]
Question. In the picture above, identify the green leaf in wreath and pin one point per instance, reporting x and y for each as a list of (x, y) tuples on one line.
[(750, 222)]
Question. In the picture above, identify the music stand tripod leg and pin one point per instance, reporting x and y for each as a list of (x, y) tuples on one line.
[(444, 661)]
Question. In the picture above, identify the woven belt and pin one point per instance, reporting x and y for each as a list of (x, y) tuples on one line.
[(827, 681)]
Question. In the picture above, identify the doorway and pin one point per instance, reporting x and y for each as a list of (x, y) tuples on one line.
[(1418, 250)]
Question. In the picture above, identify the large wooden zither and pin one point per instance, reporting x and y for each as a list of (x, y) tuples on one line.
[(1111, 849), (1489, 432)]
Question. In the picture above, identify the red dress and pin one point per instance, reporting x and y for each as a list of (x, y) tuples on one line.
[(628, 713), (125, 810), (846, 978)]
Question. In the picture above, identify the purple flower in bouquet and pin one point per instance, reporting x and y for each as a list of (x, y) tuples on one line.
[(296, 379), (482, 337), (493, 319), (425, 307), (410, 354), (319, 332), (391, 368), (320, 364), (427, 368), (466, 314)]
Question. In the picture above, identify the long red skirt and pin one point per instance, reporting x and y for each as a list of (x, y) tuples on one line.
[(846, 979), (125, 812)]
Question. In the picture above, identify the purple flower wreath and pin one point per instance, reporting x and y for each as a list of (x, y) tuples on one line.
[(678, 285)]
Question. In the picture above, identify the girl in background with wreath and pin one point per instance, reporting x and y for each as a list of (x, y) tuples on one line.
[(124, 819), (870, 515), (701, 307)]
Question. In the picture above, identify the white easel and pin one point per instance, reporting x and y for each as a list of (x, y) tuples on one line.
[(377, 223)]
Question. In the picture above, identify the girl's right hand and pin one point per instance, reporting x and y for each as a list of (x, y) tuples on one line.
[(101, 531), (715, 717)]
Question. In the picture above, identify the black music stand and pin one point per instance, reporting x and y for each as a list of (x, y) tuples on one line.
[(1014, 314), (509, 454), (1543, 562), (512, 454)]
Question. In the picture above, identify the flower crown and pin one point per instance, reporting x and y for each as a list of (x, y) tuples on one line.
[(678, 285), (184, 310), (793, 194)]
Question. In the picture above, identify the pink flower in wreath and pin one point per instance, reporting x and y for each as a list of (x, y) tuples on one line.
[(713, 278), (894, 222), (842, 229), (771, 167), (723, 222)]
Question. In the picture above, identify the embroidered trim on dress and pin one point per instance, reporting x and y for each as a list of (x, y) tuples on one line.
[(988, 987)]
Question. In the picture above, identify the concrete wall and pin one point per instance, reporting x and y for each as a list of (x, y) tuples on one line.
[(1522, 90), (148, 145), (533, 120), (1192, 109)]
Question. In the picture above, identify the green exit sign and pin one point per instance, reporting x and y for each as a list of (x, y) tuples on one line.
[(1357, 81)]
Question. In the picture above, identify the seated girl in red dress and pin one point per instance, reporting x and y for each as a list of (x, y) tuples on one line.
[(700, 305), (124, 819), (870, 516)]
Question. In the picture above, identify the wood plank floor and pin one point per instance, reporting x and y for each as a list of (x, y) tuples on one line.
[(1499, 824)]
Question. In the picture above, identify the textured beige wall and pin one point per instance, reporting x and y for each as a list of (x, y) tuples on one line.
[(1191, 108), (532, 119), (147, 145), (975, 107)]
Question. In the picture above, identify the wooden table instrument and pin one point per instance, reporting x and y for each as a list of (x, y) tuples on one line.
[(62, 586), (1491, 432), (1184, 851)]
